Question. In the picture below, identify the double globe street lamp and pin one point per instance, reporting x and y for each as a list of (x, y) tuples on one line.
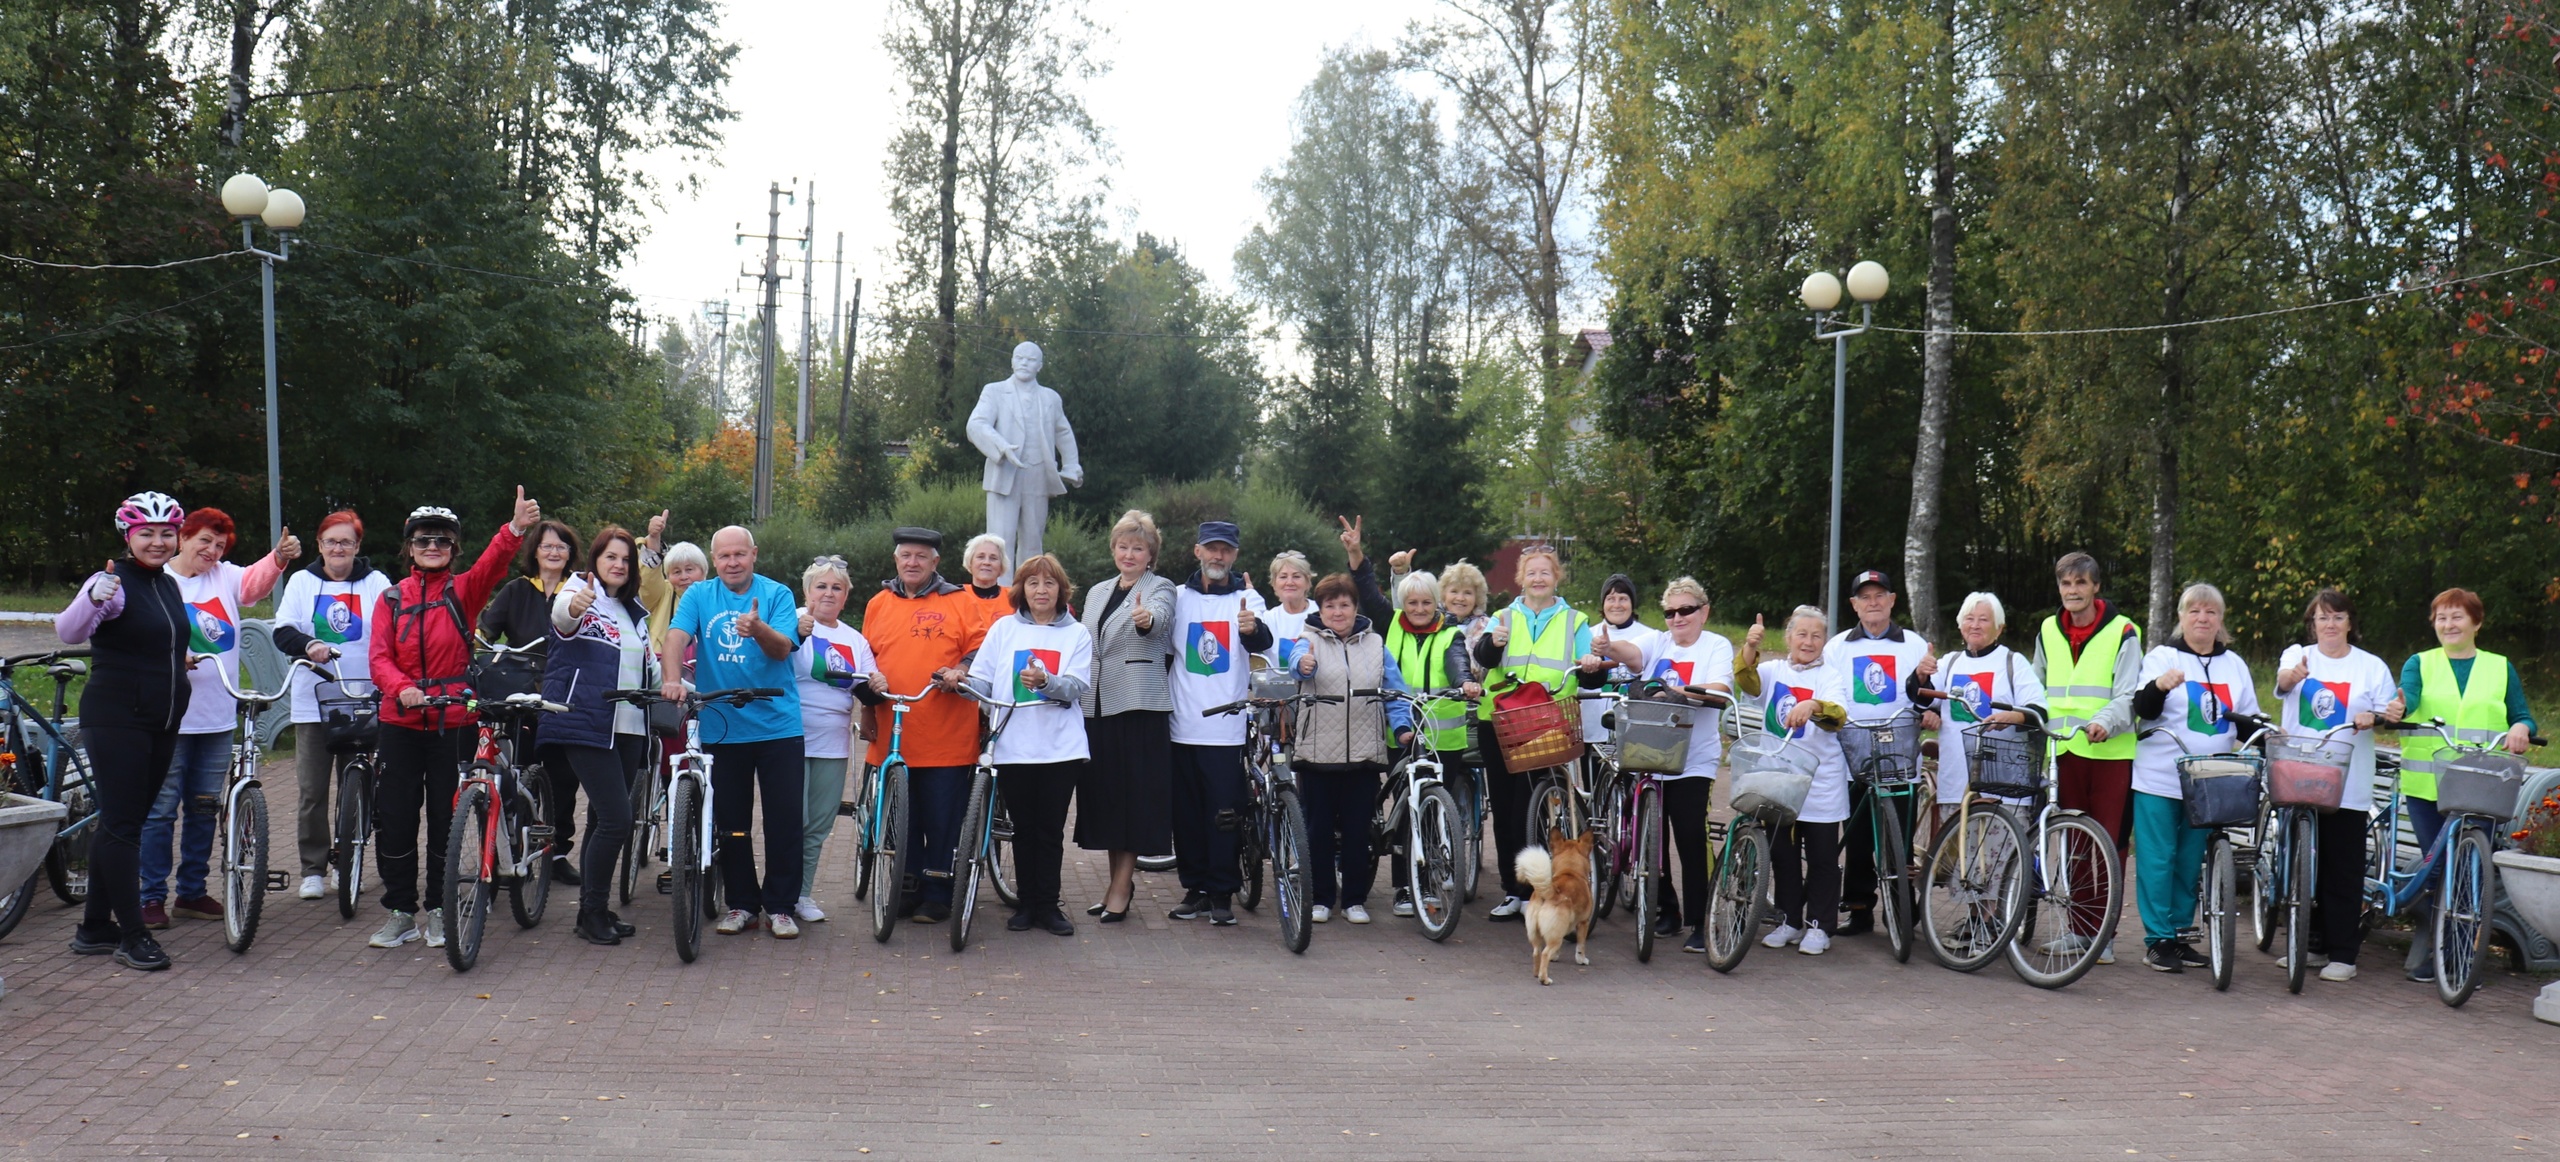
[(1867, 283), (246, 197)]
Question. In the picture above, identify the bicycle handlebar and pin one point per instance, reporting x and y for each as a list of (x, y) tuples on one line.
[(253, 696), (696, 700), (503, 651), (44, 658), (1244, 703)]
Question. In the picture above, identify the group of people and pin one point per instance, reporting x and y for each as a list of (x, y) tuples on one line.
[(1101, 707)]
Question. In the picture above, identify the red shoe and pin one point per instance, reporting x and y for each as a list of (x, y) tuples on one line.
[(198, 908), (154, 914)]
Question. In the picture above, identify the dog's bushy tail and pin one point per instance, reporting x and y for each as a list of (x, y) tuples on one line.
[(1534, 865)]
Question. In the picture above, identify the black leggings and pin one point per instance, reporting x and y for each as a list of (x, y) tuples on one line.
[(1684, 813), (128, 766), (419, 770), (1808, 891), (2340, 891), (606, 774)]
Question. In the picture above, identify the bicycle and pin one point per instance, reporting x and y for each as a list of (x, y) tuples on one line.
[(2476, 788), (1416, 821), (502, 831), (978, 855), (2284, 878), (1654, 737), (687, 812), (880, 824), (1770, 780), (1987, 890), (245, 878), (1885, 756), (48, 766), (349, 726), (2211, 797), (1273, 822)]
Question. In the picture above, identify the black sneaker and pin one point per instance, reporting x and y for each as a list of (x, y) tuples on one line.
[(1221, 913), (1020, 921), (2163, 957), (84, 944), (1192, 907), (2189, 957), (1058, 924), (621, 927), (933, 912), (1860, 922), (1667, 927), (139, 951), (562, 873), (597, 928), (1697, 941)]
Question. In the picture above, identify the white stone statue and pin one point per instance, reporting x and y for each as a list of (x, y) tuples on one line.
[(1021, 426)]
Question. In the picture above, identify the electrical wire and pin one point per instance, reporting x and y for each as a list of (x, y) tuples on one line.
[(123, 265), (2266, 314), (122, 320)]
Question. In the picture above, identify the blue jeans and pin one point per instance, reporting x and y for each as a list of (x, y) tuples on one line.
[(936, 798), (195, 774)]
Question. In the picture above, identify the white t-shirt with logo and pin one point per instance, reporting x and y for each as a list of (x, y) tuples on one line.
[(1209, 664), (2337, 690), (335, 613), (1636, 632), (2196, 717), (213, 627), (1052, 732), (1782, 685), (1875, 668), (826, 703), (1286, 630), (1974, 684), (1705, 662)]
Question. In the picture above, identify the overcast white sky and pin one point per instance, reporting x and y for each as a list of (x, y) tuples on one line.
[(1196, 104)]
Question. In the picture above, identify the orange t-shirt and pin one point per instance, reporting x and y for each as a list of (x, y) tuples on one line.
[(912, 637), (998, 607)]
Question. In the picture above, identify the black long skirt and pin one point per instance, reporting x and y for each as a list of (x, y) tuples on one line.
[(1124, 799)]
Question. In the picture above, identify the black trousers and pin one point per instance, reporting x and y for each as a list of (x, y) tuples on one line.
[(2339, 894), (1340, 802), (606, 774), (1858, 886), (1684, 814), (1807, 856), (128, 765), (1509, 792), (419, 770), (563, 787), (936, 799), (1036, 796), (739, 770), (1208, 782)]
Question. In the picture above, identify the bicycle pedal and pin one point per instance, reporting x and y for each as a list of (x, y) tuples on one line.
[(845, 810), (537, 834), (934, 875), (276, 881)]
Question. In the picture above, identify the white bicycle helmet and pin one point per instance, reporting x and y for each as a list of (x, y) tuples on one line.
[(430, 516), (149, 508)]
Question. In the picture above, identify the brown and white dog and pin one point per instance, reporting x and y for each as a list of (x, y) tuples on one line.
[(1561, 901)]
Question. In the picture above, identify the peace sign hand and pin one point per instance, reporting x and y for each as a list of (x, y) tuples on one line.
[(1350, 537)]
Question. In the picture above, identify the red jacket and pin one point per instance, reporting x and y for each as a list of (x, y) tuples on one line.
[(428, 646)]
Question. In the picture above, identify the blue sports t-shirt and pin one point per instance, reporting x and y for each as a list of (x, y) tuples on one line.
[(724, 659)]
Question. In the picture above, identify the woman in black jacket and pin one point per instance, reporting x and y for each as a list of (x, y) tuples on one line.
[(519, 614), (135, 624), (600, 644)]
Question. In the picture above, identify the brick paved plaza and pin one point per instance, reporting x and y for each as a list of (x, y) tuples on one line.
[(1178, 1040)]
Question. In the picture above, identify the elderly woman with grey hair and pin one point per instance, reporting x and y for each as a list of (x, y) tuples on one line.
[(2192, 685), (988, 561), (834, 667)]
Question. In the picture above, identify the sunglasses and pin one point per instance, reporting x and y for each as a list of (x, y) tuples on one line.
[(431, 542), (1684, 611)]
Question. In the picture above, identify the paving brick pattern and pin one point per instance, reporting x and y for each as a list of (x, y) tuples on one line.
[(1168, 1039)]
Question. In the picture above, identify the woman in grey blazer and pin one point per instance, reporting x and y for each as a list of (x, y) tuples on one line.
[(1124, 797)]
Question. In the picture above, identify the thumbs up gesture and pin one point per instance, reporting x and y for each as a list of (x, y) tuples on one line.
[(1143, 618), (752, 621), (103, 590), (1035, 676), (1759, 629), (1306, 656), (1501, 632), (1244, 614), (289, 549), (584, 598), (528, 513)]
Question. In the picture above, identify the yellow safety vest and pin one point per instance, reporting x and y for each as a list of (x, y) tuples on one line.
[(2476, 711), (2076, 689), (1547, 659), (1424, 661)]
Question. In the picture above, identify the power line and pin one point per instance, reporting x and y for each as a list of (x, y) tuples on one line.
[(123, 265), (122, 320), (2293, 310)]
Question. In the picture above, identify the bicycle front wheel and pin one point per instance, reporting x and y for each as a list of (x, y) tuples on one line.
[(2266, 877), (865, 801), (1973, 887), (1549, 814), (2462, 916), (1000, 875), (529, 893), (354, 832), (2073, 891), (1289, 860), (888, 852), (1434, 872), (2302, 861), (244, 869), (66, 867), (969, 861), (1893, 875), (1249, 855), (1733, 894), (1471, 833), (1644, 875), (1609, 852), (646, 834), (684, 864), (468, 890), (2221, 908)]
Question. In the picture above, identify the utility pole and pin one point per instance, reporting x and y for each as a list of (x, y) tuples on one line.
[(808, 286), (835, 310), (772, 280), (720, 388), (844, 373)]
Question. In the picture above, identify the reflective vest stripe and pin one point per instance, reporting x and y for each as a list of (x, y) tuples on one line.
[(2477, 712), (2076, 689), (1546, 658), (1424, 661)]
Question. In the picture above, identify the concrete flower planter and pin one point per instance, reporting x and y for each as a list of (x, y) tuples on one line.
[(2533, 888)]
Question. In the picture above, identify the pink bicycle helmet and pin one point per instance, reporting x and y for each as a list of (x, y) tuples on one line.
[(148, 508)]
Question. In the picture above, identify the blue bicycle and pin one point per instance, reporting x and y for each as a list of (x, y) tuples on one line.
[(2476, 788), (880, 824), (37, 759)]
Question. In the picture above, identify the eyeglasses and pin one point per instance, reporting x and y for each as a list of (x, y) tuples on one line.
[(1684, 611), (337, 543), (431, 542)]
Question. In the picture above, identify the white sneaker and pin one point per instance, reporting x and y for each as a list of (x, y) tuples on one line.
[(1509, 907), (1319, 913), (784, 927), (431, 926), (2067, 944), (1782, 936), (2315, 960), (1356, 913), (1816, 942), (2336, 972), (1404, 905), (397, 929), (736, 921), (314, 887), (808, 911), (2107, 955)]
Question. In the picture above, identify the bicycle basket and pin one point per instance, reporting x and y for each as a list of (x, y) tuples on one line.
[(1654, 737), (2004, 762), (2307, 770), (1882, 752), (2219, 790), (496, 679), (1275, 683), (665, 720), (348, 725), (1535, 729), (2482, 783), (1771, 778)]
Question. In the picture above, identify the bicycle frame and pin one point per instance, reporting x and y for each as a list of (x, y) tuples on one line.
[(56, 750)]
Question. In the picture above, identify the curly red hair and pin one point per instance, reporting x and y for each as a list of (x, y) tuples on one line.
[(214, 519)]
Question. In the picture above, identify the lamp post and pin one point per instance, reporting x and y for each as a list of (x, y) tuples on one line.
[(245, 197), (1867, 283)]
